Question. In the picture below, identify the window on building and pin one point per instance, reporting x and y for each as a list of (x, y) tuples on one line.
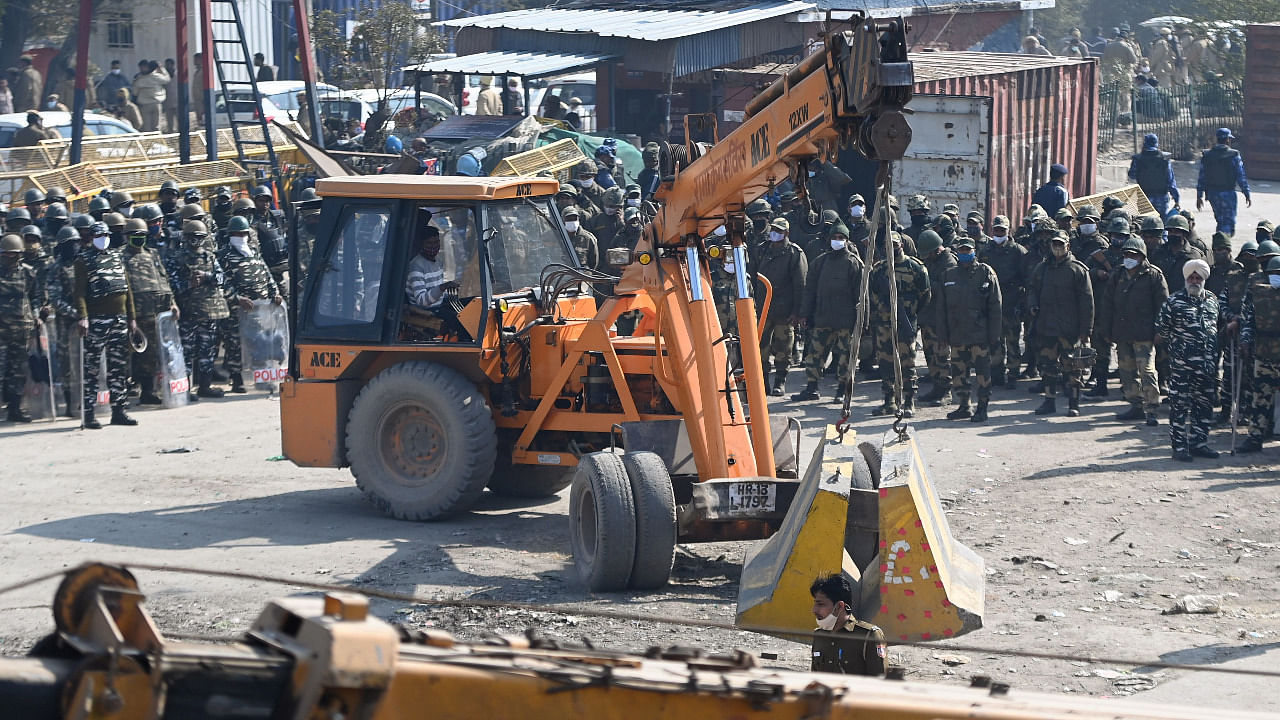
[(120, 30)]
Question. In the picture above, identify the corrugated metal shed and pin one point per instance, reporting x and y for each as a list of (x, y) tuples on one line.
[(525, 64), (651, 25), (1261, 133)]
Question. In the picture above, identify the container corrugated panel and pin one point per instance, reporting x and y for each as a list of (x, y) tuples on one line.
[(1043, 111), (1261, 133), (257, 22)]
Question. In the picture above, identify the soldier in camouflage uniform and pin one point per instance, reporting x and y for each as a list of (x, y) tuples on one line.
[(272, 231), (105, 303), (222, 200), (937, 259), (152, 295), (1260, 340), (1060, 300), (969, 322), (197, 280), (1130, 302), (1229, 298), (1008, 260), (1094, 249), (831, 310), (62, 284), (583, 242), (783, 264), (1188, 326), (247, 279), (35, 257), (21, 298), (898, 334)]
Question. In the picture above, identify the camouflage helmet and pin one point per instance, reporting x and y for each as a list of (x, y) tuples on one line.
[(113, 219), (1088, 212), (56, 210), (586, 167), (18, 213), (1111, 202), (1035, 211), (192, 212), (944, 223), (1063, 214), (1152, 224), (82, 222), (928, 242), (1267, 248), (67, 233), (99, 204), (238, 205), (759, 207), (1177, 222), (30, 230), (918, 202), (32, 197), (134, 226), (781, 224), (1135, 245), (789, 196), (1118, 226), (613, 197), (1273, 265), (193, 227), (1044, 224), (11, 244), (56, 194), (148, 212), (1000, 221), (951, 209), (237, 224), (1121, 213)]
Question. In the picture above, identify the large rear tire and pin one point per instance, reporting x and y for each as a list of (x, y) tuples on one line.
[(873, 454), (602, 523), (421, 441), (655, 520)]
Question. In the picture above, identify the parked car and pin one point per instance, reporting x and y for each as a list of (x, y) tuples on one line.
[(402, 98), (346, 105), (279, 100), (581, 86), (94, 125)]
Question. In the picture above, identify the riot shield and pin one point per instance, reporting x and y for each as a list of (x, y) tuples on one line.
[(172, 381), (37, 394), (264, 344)]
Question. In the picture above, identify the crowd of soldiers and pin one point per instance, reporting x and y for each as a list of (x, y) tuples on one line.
[(1054, 299), (104, 276)]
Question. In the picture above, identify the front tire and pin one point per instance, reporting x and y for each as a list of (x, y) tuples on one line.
[(602, 523), (421, 441)]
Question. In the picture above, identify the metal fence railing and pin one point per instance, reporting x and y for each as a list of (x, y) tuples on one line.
[(1184, 116)]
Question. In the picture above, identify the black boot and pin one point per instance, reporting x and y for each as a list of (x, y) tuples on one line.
[(961, 412), (888, 408), (841, 390), (119, 417), (909, 404), (1037, 388), (70, 410), (206, 391), (980, 413), (1152, 420), (90, 422), (1133, 413), (237, 384), (779, 383), (1099, 388), (1073, 402), (810, 392), (16, 414), (1050, 404), (148, 396)]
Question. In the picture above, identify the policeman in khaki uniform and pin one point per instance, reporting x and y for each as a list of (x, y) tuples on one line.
[(842, 643), (105, 303), (898, 334), (1260, 340), (152, 295), (969, 321), (831, 310), (1130, 301), (21, 298), (197, 280), (783, 263)]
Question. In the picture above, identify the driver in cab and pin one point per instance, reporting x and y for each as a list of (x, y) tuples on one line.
[(426, 286)]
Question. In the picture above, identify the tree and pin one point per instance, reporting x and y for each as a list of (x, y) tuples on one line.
[(388, 37)]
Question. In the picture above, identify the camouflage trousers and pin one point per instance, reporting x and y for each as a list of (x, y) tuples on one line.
[(777, 341), (1228, 379), (13, 363), (109, 334), (1266, 383), (937, 356), (887, 344), (1008, 352), (1191, 396), (1137, 363), (199, 346), (1051, 359), (963, 359), (824, 341), (232, 354)]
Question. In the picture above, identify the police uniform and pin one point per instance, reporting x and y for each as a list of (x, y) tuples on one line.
[(831, 308), (1131, 301), (898, 334), (1221, 170), (104, 297), (784, 265), (1230, 296), (197, 279), (248, 278), (269, 226), (969, 323), (856, 649), (1060, 299), (1260, 335), (1188, 325), (1008, 260), (937, 355), (21, 297), (152, 295)]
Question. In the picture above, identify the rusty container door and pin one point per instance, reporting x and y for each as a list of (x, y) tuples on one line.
[(950, 152), (1261, 133)]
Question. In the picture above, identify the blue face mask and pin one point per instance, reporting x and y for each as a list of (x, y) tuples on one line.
[(965, 257)]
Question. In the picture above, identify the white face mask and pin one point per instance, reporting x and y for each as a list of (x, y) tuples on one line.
[(1130, 263), (857, 211), (730, 268), (571, 225), (587, 183), (115, 71), (1088, 229), (241, 244), (1275, 280), (775, 236), (101, 242), (633, 202), (837, 244), (999, 239), (828, 623)]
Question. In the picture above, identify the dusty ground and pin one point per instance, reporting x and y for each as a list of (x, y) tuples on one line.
[(1017, 489)]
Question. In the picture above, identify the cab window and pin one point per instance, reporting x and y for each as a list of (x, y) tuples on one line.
[(349, 287), (525, 240), (443, 276)]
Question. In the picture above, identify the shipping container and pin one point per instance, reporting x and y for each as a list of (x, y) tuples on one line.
[(1261, 133), (985, 127)]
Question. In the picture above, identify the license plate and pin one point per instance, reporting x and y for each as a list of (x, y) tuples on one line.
[(753, 497)]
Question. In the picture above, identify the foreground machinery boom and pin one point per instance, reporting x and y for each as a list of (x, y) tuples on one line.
[(448, 338), (311, 658)]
